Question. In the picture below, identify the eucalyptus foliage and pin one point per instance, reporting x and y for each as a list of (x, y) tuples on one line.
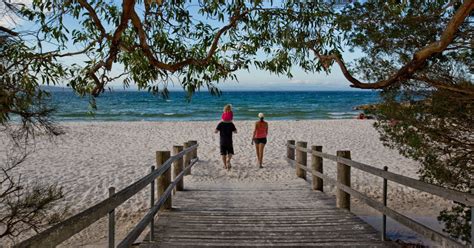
[(418, 53), (429, 115)]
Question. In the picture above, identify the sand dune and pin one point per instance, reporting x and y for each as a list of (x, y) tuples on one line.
[(93, 156)]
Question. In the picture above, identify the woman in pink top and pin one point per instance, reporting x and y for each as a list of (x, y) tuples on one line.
[(260, 138)]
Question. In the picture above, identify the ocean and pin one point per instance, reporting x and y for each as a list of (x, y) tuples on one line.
[(143, 106)]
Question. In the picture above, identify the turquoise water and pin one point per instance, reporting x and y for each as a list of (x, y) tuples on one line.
[(143, 106)]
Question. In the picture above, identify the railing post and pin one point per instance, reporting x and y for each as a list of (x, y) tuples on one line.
[(178, 167), (165, 179), (290, 152), (317, 165), (301, 159), (111, 222), (384, 198), (187, 158), (152, 203), (472, 216), (343, 199), (195, 151)]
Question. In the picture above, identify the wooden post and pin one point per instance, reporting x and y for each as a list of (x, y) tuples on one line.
[(343, 199), (164, 180), (317, 165), (472, 216), (195, 152), (187, 158), (384, 199), (152, 203), (290, 152), (111, 222), (178, 167), (301, 159)]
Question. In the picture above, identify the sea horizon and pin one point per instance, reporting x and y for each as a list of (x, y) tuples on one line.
[(144, 106)]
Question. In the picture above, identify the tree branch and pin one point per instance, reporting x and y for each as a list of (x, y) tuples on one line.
[(419, 58), (8, 31), (128, 8), (94, 17), (437, 84), (179, 65)]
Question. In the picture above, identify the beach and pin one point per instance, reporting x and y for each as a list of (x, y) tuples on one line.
[(93, 156)]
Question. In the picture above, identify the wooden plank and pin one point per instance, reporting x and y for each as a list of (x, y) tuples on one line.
[(138, 229), (412, 224), (259, 215), (440, 238)]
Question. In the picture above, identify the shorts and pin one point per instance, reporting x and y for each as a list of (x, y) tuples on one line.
[(227, 149), (260, 141)]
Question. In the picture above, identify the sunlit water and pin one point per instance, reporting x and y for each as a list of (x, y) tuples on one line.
[(143, 106)]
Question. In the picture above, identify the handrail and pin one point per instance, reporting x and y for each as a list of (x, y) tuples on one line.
[(414, 225), (450, 194), (453, 195), (76, 223), (138, 229)]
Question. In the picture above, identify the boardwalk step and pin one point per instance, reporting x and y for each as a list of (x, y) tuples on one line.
[(259, 216)]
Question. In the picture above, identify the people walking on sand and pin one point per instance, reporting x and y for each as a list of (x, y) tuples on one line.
[(260, 138), (226, 128)]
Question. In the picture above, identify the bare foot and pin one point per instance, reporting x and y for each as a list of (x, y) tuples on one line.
[(229, 165)]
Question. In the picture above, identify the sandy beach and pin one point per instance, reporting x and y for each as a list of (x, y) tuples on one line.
[(93, 156)]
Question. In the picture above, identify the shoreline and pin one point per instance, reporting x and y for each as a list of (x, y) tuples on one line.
[(93, 156)]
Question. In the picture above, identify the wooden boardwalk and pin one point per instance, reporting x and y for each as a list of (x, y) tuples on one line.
[(242, 215)]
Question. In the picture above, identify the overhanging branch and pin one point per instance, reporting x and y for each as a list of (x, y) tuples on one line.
[(419, 58), (189, 61)]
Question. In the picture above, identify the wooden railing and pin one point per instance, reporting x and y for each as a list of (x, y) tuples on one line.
[(182, 160), (344, 190)]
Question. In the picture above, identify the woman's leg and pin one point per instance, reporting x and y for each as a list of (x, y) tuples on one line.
[(260, 153)]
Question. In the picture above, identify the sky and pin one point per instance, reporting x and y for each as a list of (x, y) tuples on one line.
[(247, 80)]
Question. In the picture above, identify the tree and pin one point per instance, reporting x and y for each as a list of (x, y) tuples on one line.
[(194, 43), (414, 51), (419, 54), (23, 208)]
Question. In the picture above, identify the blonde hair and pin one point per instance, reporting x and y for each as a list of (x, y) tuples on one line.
[(228, 108)]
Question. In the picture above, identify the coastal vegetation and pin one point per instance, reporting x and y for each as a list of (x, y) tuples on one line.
[(412, 51)]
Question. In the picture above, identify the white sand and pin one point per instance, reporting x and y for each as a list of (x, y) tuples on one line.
[(93, 156)]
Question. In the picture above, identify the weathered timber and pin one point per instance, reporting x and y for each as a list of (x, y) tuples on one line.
[(62, 231), (449, 194), (406, 221), (164, 180), (290, 151), (343, 199), (265, 215), (178, 168), (193, 154), (301, 158), (317, 165), (129, 240), (187, 158), (111, 234)]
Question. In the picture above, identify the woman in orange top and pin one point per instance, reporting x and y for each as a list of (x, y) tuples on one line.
[(260, 138)]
